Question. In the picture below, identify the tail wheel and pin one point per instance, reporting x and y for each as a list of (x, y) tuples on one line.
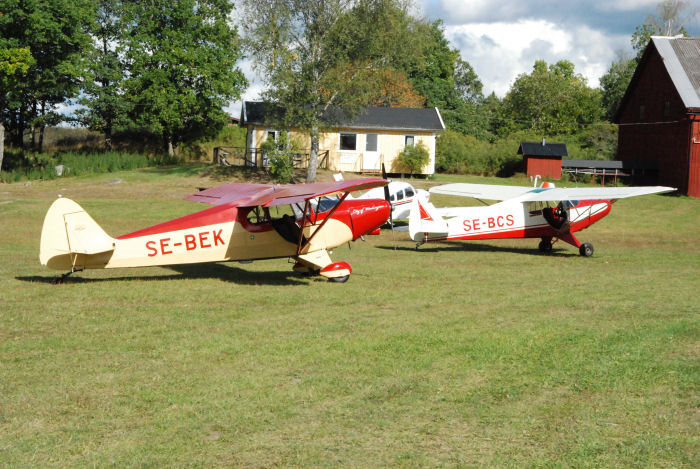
[(586, 250), (545, 245)]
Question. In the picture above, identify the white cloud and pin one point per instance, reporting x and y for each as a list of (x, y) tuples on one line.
[(501, 51)]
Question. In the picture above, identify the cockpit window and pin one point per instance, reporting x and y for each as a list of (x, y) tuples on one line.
[(392, 197), (409, 192), (258, 216), (326, 203), (399, 195)]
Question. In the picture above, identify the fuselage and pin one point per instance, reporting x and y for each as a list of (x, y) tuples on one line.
[(401, 196), (229, 233), (514, 219)]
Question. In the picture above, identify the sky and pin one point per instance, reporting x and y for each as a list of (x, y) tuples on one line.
[(502, 39)]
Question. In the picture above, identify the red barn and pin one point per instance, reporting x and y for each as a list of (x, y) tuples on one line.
[(543, 159), (659, 116)]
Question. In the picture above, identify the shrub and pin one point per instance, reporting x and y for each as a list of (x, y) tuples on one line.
[(280, 158), (413, 158)]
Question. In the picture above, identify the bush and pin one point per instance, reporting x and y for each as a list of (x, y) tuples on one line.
[(280, 158), (413, 158)]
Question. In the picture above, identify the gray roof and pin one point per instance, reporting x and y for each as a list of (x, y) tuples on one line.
[(542, 149), (374, 118), (681, 57)]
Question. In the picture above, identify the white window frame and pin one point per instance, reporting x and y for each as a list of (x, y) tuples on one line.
[(405, 140)]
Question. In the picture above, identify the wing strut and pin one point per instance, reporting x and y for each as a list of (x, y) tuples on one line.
[(328, 217)]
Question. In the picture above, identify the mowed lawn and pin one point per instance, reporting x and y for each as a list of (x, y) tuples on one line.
[(482, 354)]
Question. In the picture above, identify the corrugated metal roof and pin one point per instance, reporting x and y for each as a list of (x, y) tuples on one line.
[(688, 53), (681, 57), (542, 149), (391, 118)]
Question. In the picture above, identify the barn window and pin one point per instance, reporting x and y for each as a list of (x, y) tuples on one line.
[(641, 112), (667, 108)]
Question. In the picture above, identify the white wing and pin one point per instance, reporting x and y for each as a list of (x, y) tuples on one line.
[(528, 194), (590, 193), (482, 191)]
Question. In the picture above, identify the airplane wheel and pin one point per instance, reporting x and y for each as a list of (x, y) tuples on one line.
[(342, 279), (545, 246), (586, 250)]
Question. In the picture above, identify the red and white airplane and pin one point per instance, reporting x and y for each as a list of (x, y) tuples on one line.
[(240, 227), (545, 212), (401, 195)]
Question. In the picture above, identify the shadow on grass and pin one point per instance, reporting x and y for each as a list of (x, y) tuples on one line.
[(192, 271), (478, 247)]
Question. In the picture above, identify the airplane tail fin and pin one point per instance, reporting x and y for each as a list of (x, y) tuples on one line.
[(425, 219), (68, 232)]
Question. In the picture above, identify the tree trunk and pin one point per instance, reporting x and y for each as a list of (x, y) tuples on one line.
[(169, 145), (2, 143), (313, 157), (108, 135), (41, 137)]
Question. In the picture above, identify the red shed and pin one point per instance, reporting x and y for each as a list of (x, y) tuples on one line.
[(659, 116), (543, 159)]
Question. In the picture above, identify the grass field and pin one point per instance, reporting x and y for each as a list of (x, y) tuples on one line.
[(483, 354)]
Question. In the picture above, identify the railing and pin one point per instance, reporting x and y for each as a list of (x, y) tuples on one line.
[(240, 156)]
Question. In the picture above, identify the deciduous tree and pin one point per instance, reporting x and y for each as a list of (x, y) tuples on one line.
[(181, 58), (103, 86), (14, 64), (56, 34), (552, 99), (307, 70)]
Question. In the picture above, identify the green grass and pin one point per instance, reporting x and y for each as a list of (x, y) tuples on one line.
[(480, 354)]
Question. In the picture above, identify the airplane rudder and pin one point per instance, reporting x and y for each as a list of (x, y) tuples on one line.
[(68, 229)]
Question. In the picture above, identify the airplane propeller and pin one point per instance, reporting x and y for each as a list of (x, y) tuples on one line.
[(387, 197)]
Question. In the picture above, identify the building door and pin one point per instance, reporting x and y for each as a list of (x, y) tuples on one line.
[(370, 158), (694, 163)]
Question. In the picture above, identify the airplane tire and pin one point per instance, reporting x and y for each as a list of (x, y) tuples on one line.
[(342, 279), (545, 246), (586, 250)]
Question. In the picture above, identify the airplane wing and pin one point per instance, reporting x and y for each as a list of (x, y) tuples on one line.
[(481, 191), (269, 195), (590, 193), (531, 194)]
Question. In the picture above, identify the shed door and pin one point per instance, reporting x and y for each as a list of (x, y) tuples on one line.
[(371, 153), (694, 163)]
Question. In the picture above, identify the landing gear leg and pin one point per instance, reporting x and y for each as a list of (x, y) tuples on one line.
[(586, 250), (545, 245), (62, 278)]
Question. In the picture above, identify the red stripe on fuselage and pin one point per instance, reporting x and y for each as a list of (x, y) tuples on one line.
[(219, 214)]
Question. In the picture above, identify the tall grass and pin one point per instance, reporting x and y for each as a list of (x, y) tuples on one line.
[(45, 166)]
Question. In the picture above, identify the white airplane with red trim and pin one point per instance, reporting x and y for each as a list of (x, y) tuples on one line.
[(401, 196), (545, 212), (240, 227)]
